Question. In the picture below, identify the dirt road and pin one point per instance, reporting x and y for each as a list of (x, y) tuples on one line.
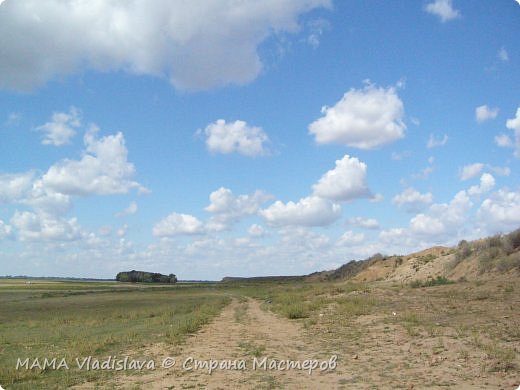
[(251, 347)]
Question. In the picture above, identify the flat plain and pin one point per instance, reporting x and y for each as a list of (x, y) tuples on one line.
[(384, 334)]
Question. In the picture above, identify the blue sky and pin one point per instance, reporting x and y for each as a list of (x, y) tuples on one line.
[(252, 138)]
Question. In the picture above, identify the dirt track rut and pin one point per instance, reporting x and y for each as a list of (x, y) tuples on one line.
[(243, 332)]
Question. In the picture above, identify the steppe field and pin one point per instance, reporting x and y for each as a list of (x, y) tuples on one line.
[(260, 335)]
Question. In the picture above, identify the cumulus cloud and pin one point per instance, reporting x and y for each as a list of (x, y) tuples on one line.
[(121, 232), (365, 118), (60, 129), (256, 230), (443, 9), (423, 174), (228, 208), (309, 211), (43, 199), (301, 239), (28, 189), (412, 200), (487, 182), (514, 124), (178, 224), (238, 136), (5, 230), (130, 210), (195, 45), (44, 227), (501, 210), (377, 198), (433, 142), (504, 141), (501, 171), (347, 181), (470, 171), (14, 187), (103, 169), (442, 219), (367, 223), (484, 113), (350, 238)]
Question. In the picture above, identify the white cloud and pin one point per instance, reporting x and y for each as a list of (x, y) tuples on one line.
[(44, 227), (365, 119), (46, 200), (347, 181), (60, 129), (514, 124), (501, 210), (377, 198), (13, 187), (400, 156), (256, 230), (46, 223), (238, 136), (504, 141), (303, 240), (130, 210), (423, 174), (103, 169), (433, 142), (350, 238), (442, 219), (196, 45), (317, 27), (470, 171), (503, 55), (484, 113), (228, 208), (310, 211), (121, 232), (487, 182), (5, 230), (443, 9), (367, 223), (412, 200), (501, 171), (178, 224)]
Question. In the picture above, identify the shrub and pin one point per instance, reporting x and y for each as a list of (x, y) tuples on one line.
[(295, 311), (514, 239), (463, 251), (495, 241), (439, 281)]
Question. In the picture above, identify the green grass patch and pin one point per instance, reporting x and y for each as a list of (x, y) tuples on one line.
[(57, 322)]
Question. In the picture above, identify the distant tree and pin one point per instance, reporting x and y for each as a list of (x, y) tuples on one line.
[(145, 277)]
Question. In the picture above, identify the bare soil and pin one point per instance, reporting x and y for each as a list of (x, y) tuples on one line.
[(460, 336), (242, 332)]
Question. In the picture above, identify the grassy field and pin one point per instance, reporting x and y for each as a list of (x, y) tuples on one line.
[(79, 319), (431, 334)]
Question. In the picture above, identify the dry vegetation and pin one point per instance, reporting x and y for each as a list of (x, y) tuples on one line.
[(443, 317)]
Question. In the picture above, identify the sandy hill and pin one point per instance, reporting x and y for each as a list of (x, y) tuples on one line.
[(490, 257)]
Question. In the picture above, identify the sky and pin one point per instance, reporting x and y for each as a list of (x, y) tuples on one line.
[(243, 138)]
